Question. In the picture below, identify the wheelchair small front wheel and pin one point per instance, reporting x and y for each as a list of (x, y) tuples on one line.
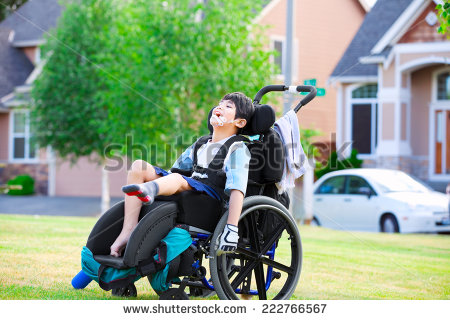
[(268, 260)]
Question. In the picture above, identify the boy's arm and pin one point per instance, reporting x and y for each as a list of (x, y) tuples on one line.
[(236, 169), (229, 238), (235, 207)]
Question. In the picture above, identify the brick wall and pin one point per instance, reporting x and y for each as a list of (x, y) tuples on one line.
[(39, 172), (416, 166)]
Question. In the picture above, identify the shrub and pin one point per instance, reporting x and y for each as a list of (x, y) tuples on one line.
[(335, 164), (25, 181)]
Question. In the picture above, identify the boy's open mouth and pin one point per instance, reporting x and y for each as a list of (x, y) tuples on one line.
[(217, 113)]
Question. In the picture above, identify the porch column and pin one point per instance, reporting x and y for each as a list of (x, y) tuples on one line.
[(393, 114)]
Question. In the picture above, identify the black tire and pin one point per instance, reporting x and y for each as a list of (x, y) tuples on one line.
[(315, 222), (129, 291), (389, 224), (173, 294), (234, 274)]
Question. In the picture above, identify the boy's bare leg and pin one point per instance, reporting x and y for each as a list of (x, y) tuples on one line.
[(171, 184), (168, 185), (140, 172)]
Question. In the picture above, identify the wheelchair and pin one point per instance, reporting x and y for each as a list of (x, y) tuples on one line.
[(268, 260)]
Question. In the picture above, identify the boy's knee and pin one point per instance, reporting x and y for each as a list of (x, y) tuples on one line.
[(177, 176), (139, 166)]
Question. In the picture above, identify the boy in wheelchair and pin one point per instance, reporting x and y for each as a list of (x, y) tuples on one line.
[(217, 166)]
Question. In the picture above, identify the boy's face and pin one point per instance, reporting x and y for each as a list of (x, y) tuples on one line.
[(226, 110)]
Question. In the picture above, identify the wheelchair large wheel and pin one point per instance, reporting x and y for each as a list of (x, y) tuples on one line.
[(268, 260)]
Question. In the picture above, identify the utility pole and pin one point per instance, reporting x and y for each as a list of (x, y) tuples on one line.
[(288, 79), (288, 61)]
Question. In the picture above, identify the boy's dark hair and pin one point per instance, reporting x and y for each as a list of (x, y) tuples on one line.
[(244, 105)]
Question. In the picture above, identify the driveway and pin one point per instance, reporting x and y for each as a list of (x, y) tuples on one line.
[(52, 206)]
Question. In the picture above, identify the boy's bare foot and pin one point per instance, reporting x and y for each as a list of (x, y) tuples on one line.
[(146, 192)]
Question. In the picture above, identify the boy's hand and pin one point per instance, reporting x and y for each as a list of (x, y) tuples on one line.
[(228, 240)]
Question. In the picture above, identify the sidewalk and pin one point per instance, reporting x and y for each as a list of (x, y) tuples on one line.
[(52, 206)]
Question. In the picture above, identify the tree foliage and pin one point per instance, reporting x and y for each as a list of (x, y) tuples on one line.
[(180, 58), (150, 70), (444, 18), (69, 112), (334, 163)]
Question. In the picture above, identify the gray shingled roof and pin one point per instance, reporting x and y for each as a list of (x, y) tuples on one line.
[(14, 65), (375, 25), (31, 20)]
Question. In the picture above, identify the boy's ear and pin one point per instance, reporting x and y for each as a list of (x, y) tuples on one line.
[(241, 123)]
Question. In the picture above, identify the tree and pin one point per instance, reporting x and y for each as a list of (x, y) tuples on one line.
[(9, 6), (444, 18), (144, 70), (181, 59), (69, 112)]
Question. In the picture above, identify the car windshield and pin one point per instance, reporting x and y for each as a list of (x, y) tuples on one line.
[(399, 182)]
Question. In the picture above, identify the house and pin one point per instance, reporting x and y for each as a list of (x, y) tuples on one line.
[(322, 32), (21, 35), (320, 37), (393, 83)]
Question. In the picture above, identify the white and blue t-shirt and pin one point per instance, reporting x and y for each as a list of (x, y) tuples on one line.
[(236, 163)]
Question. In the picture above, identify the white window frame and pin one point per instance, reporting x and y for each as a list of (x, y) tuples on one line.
[(282, 39), (435, 105), (26, 135), (350, 101)]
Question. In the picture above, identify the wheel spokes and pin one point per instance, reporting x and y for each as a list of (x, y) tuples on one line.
[(277, 265), (260, 282)]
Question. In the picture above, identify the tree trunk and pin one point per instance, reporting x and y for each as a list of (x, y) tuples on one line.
[(106, 199)]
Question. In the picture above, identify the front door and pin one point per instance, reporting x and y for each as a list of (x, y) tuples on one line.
[(442, 142)]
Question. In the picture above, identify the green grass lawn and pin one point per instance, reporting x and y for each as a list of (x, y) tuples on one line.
[(40, 255)]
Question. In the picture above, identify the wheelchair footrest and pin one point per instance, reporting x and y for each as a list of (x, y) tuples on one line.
[(110, 261)]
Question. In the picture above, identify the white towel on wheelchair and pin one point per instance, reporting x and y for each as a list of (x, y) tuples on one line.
[(288, 129)]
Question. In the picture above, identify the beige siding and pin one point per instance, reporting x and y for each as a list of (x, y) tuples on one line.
[(389, 75), (388, 121), (85, 179), (4, 134), (407, 57), (30, 52), (319, 50)]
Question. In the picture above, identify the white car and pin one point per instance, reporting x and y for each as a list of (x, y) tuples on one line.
[(378, 200)]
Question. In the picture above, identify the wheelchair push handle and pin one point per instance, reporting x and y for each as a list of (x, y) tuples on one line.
[(294, 89)]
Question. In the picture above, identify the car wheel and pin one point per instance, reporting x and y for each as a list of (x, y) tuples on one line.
[(389, 224), (314, 222)]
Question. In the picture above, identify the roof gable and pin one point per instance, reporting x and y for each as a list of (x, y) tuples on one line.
[(421, 31), (402, 24), (14, 65), (376, 23)]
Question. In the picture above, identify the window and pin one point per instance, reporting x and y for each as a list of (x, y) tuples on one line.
[(443, 86), (22, 145), (367, 91), (356, 183), (278, 46), (334, 185), (364, 110)]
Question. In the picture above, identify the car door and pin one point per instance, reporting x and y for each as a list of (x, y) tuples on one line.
[(360, 205), (328, 199)]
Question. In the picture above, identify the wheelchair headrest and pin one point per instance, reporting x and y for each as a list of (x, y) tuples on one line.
[(263, 118)]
